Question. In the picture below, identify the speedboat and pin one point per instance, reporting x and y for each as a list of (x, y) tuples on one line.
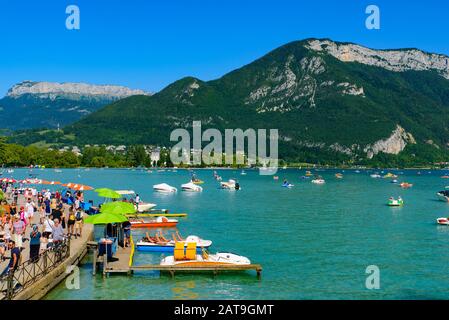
[(338, 176), (443, 195), (394, 181), (163, 187), (159, 222), (149, 246), (190, 186), (142, 207), (230, 185), (395, 202), (375, 176), (390, 175), (406, 185), (287, 185), (243, 173), (318, 181), (444, 221)]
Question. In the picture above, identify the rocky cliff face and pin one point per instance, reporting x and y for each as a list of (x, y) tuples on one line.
[(394, 60), (49, 105), (53, 89), (394, 144)]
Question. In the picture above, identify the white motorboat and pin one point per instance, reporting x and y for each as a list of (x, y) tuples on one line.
[(230, 185), (443, 221), (318, 181), (204, 260), (142, 207), (153, 246), (165, 188), (443, 195), (190, 186), (375, 176)]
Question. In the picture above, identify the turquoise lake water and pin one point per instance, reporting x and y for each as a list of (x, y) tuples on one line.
[(313, 241)]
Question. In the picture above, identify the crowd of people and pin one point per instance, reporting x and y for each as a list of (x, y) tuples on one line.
[(43, 219)]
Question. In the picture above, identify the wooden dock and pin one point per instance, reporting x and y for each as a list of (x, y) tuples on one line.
[(190, 269)]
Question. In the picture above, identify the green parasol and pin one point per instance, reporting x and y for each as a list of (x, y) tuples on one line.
[(107, 193), (105, 218), (118, 207)]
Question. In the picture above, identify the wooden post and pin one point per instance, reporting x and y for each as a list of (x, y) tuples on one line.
[(94, 261), (10, 286), (259, 273)]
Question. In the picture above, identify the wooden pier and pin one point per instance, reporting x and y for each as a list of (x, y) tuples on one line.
[(189, 269)]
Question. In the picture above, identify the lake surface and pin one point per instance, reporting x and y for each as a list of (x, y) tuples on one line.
[(313, 241)]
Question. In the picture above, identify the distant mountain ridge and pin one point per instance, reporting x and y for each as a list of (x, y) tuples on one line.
[(33, 104), (330, 101)]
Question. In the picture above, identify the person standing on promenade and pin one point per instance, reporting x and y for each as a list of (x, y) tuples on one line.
[(58, 233), (35, 242), (18, 230), (15, 259), (79, 223)]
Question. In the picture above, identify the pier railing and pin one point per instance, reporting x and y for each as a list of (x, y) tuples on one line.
[(31, 271)]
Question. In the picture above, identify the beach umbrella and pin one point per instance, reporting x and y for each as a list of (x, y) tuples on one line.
[(105, 218), (77, 187), (107, 193), (50, 182), (118, 207), (9, 180)]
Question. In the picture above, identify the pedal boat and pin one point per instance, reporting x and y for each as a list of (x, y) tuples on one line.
[(188, 257), (147, 246), (159, 222), (395, 202)]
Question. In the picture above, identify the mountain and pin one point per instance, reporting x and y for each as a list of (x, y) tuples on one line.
[(330, 101), (46, 104)]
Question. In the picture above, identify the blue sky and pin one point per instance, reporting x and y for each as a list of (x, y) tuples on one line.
[(148, 44)]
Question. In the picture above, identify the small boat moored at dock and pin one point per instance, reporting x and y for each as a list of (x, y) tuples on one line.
[(159, 222), (152, 244), (188, 257)]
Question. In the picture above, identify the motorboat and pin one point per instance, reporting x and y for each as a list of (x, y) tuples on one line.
[(190, 186), (230, 185), (338, 176), (243, 173), (163, 187), (318, 181), (394, 181), (154, 246), (390, 175), (375, 176), (443, 221), (187, 256), (395, 202), (130, 194), (405, 185), (443, 195), (159, 222), (308, 173), (445, 177)]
